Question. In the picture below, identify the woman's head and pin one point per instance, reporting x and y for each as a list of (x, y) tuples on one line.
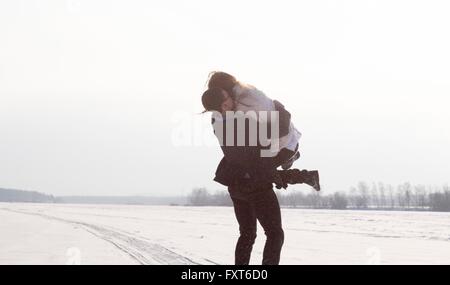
[(225, 81), (217, 99)]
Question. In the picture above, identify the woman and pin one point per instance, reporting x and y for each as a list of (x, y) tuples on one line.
[(245, 98)]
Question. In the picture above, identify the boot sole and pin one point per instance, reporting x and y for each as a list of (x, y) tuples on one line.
[(316, 185)]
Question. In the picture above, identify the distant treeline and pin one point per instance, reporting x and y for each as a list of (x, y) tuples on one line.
[(10, 195), (21, 196), (377, 196), (122, 200)]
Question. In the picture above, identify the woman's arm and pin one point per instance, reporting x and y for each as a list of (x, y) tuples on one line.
[(285, 118)]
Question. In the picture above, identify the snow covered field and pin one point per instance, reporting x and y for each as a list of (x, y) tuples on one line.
[(94, 234)]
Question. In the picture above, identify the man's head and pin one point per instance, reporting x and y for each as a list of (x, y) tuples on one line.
[(217, 99)]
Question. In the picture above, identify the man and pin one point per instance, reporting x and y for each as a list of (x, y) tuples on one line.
[(249, 177)]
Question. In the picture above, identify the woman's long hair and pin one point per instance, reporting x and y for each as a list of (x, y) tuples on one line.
[(222, 80), (227, 82)]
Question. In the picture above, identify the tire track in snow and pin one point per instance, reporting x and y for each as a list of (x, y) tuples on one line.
[(144, 252)]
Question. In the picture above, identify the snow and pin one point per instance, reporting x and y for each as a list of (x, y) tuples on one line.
[(113, 234)]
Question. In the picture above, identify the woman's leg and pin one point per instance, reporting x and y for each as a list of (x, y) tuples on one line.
[(246, 218), (268, 213)]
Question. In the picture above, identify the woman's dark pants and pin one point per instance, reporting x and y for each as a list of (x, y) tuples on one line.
[(261, 205)]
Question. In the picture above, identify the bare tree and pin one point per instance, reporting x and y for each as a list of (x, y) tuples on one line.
[(440, 200), (221, 198), (420, 196), (390, 190), (339, 201), (374, 196), (315, 200), (400, 196), (407, 194), (352, 197), (199, 197), (296, 199), (363, 201), (382, 194)]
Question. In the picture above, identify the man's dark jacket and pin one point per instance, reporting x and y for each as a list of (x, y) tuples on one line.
[(244, 163)]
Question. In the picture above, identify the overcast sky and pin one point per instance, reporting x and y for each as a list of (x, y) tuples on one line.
[(102, 97)]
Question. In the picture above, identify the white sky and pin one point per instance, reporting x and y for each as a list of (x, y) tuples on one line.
[(91, 92)]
